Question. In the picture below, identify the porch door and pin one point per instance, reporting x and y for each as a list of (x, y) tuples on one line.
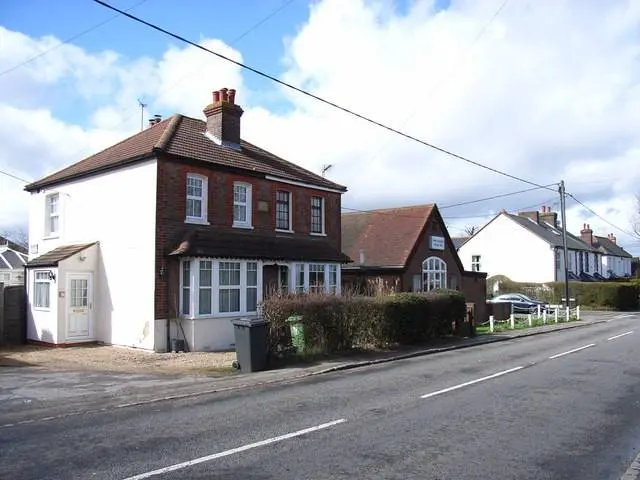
[(283, 279), (79, 302)]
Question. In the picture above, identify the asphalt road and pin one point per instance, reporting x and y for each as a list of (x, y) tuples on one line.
[(522, 409)]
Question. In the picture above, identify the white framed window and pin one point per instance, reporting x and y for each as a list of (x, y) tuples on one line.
[(317, 215), (333, 279), (283, 211), (196, 198), (5, 278), (41, 290), (52, 215), (205, 287), (252, 287), (475, 263), (434, 274), (316, 278), (299, 278), (229, 287), (185, 289), (242, 205)]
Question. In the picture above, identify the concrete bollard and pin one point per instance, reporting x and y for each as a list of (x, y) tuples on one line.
[(567, 313), (544, 317), (491, 323), (578, 312), (538, 311), (556, 314), (529, 319), (512, 320)]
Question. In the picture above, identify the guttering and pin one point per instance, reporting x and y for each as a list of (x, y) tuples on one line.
[(303, 184)]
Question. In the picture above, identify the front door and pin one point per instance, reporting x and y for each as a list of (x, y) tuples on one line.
[(79, 302)]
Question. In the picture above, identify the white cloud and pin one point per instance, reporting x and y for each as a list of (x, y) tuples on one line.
[(548, 92)]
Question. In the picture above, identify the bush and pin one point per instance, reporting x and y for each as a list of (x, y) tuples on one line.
[(337, 324)]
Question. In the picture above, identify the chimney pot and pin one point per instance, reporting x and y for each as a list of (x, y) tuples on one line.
[(223, 119)]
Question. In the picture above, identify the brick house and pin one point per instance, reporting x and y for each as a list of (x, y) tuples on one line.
[(173, 233), (409, 249)]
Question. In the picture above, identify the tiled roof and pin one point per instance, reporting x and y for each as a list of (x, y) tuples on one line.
[(208, 242), (459, 241), (184, 137), (52, 258), (10, 259), (386, 237), (610, 248), (553, 236)]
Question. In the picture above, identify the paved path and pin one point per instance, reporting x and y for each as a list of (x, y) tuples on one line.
[(558, 406)]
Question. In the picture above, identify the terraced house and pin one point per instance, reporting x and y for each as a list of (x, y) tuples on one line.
[(174, 232)]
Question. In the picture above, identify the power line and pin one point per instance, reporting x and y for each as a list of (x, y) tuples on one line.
[(443, 78), (70, 39), (14, 176), (316, 97), (626, 232), (516, 210), (495, 196), (251, 29)]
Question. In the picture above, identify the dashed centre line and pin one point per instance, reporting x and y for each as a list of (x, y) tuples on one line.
[(472, 382), (233, 451), (621, 335), (558, 355)]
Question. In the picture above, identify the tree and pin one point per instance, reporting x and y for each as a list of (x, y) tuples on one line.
[(636, 218), (471, 230), (16, 234)]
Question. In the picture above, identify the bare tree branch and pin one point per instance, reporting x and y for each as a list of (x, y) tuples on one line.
[(470, 230)]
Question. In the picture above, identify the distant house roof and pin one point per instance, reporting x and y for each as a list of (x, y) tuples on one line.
[(386, 237), (459, 241), (611, 248), (184, 137), (197, 241), (12, 260), (550, 234), (16, 247), (52, 258)]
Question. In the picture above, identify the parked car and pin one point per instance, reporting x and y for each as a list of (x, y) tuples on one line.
[(521, 303)]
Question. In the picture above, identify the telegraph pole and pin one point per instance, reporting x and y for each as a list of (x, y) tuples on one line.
[(563, 213)]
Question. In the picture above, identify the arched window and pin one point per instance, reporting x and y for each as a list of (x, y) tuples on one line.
[(434, 274)]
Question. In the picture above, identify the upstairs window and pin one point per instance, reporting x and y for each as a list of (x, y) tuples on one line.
[(317, 215), (475, 263), (283, 210), (242, 205), (196, 198), (52, 226)]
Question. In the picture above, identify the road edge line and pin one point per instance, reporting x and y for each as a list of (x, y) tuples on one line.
[(633, 472)]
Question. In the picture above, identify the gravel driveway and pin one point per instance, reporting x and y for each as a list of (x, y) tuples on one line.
[(117, 359)]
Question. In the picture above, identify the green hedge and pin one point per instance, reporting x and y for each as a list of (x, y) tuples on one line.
[(338, 324), (622, 296)]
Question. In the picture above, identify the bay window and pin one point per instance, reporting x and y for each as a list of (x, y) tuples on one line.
[(316, 278), (211, 287)]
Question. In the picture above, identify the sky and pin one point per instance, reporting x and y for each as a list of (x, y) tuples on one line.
[(546, 90)]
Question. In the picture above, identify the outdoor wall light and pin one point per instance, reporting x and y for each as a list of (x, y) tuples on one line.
[(52, 276), (162, 270)]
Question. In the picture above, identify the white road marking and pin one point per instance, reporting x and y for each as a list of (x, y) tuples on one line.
[(571, 351), (621, 335), (233, 451), (633, 472), (472, 382)]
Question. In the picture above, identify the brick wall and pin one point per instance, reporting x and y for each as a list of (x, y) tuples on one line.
[(171, 210), (12, 314)]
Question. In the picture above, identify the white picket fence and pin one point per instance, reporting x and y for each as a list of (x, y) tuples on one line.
[(555, 314)]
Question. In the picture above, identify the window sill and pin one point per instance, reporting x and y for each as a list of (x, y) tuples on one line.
[(41, 309), (243, 226), (279, 230), (51, 237), (315, 234), (196, 221), (221, 316)]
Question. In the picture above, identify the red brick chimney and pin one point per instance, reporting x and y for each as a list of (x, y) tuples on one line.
[(547, 216), (586, 234), (223, 118), (612, 237), (535, 216)]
